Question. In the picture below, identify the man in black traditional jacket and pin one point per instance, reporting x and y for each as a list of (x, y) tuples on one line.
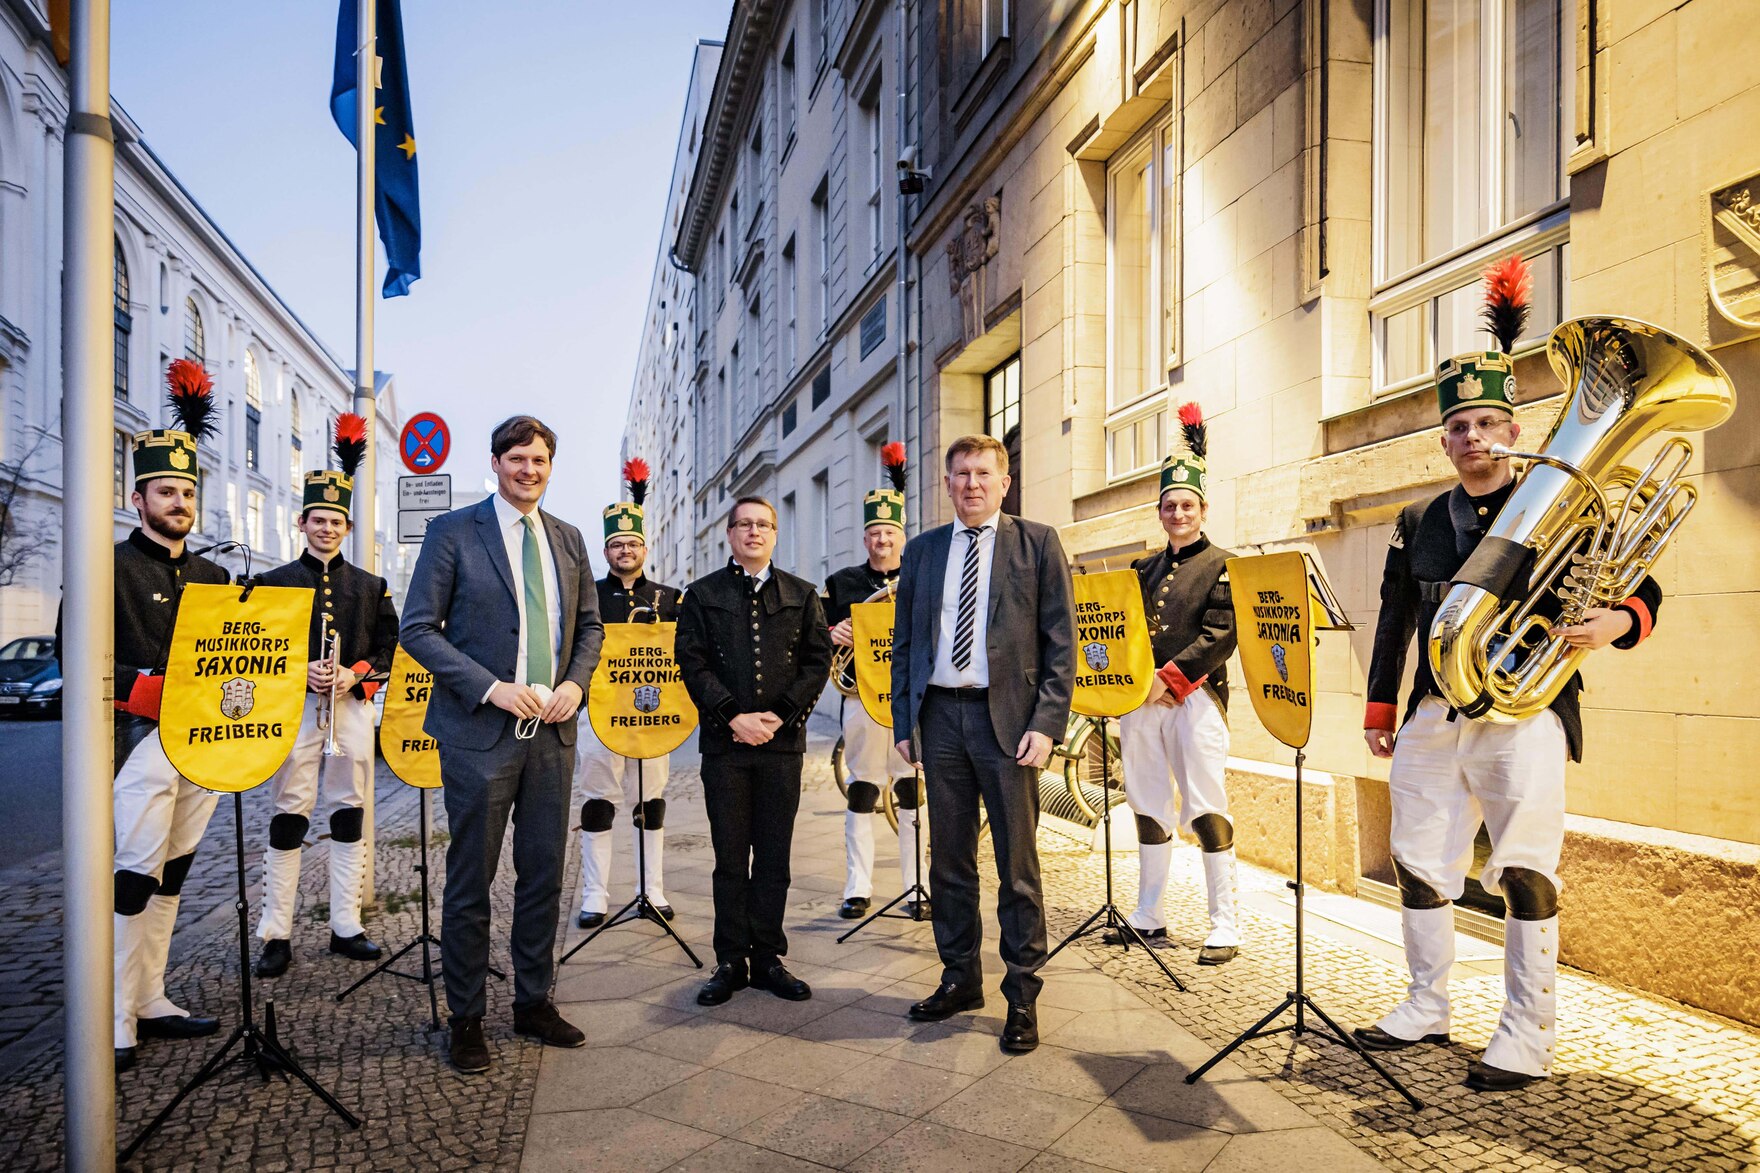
[(355, 606), (1450, 772), (753, 651)]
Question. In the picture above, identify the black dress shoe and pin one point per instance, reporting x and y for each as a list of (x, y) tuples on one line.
[(727, 980), (277, 955), (355, 948), (1373, 1038), (776, 978), (855, 908), (946, 1002), (543, 1023), (1021, 1032), (175, 1026), (468, 1051), (1218, 954), (920, 910), (1118, 937), (665, 910), (1482, 1077), (589, 920), (125, 1058)]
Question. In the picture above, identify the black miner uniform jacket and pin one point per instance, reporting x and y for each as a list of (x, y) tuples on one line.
[(1431, 541), (615, 602), (741, 651), (359, 605), (1191, 615), (852, 585)]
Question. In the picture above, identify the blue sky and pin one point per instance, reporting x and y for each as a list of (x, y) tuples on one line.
[(545, 144)]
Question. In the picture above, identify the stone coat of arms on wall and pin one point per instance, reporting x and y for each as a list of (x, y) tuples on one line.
[(1732, 251), (968, 252)]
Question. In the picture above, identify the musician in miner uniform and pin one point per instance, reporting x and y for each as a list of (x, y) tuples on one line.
[(869, 755), (352, 609), (160, 816), (626, 595), (1178, 740), (1449, 772)]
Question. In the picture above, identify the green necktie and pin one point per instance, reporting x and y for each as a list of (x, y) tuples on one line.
[(537, 610)]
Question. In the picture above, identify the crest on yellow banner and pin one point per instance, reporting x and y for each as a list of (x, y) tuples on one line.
[(871, 629), (235, 683), (1273, 613), (1114, 662), (637, 701), (412, 755)]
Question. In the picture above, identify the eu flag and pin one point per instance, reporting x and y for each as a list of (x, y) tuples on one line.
[(396, 207)]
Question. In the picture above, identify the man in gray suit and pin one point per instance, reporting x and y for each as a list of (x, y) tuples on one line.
[(504, 612), (983, 664)]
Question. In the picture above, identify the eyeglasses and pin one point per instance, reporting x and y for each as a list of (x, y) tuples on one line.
[(622, 547), (753, 524)]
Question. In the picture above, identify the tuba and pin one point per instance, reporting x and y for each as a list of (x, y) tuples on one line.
[(843, 660), (1581, 529)]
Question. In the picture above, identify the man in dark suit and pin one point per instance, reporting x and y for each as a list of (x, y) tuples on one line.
[(983, 664), (754, 653), (504, 612)]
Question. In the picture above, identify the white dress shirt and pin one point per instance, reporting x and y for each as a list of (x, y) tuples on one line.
[(513, 536), (977, 673)]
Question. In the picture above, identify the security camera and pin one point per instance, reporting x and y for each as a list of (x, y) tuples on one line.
[(907, 158), (911, 178)]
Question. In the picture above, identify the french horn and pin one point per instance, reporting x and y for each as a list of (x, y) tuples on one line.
[(843, 660)]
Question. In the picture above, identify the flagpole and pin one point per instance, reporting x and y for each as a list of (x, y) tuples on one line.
[(88, 578), (366, 496)]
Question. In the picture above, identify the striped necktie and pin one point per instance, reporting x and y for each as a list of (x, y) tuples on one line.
[(538, 670), (968, 601)]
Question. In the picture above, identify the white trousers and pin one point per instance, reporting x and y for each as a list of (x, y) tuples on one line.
[(612, 778), (159, 816), (1179, 751), (871, 755), (344, 779), (1446, 777)]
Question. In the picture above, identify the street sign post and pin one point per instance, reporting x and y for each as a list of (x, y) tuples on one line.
[(420, 499), (425, 443)]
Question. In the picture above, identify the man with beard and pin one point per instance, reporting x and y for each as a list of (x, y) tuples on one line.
[(160, 816), (356, 607), (626, 595)]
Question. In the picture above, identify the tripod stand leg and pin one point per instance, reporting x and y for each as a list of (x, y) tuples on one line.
[(1087, 927), (1368, 1058), (914, 890), (1252, 1032), (284, 1060), (379, 969), (215, 1062), (653, 914), (1131, 934)]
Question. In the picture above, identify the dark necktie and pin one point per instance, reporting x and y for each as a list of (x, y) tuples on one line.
[(968, 602)]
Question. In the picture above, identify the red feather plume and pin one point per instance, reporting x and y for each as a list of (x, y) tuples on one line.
[(191, 394), (1191, 424), (892, 458), (636, 475), (350, 442), (1509, 287)]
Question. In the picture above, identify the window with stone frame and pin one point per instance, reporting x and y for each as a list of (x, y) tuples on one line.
[(787, 98), (195, 334), (1142, 297), (1002, 420), (123, 322), (296, 439), (822, 231), (253, 521), (874, 152), (119, 487), (253, 411), (1470, 149), (978, 27), (791, 307)]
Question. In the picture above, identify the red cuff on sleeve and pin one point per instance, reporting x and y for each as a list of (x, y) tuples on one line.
[(1176, 681), (143, 697), (368, 687), (1641, 613), (1379, 715)]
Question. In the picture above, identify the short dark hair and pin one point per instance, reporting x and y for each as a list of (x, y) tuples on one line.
[(518, 431), (764, 501), (975, 445)]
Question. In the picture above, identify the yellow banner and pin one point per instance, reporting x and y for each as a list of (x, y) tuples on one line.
[(871, 628), (1114, 662), (1273, 608), (637, 702), (235, 685), (412, 755)]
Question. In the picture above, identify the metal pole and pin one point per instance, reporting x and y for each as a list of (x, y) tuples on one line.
[(902, 316), (366, 497), (88, 577)]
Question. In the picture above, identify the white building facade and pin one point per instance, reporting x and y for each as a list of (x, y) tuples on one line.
[(181, 289)]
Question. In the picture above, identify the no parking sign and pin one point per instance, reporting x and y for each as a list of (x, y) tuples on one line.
[(425, 443)]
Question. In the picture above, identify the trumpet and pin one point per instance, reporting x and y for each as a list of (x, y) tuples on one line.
[(843, 660), (331, 651)]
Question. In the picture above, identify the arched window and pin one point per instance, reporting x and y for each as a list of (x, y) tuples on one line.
[(195, 336), (295, 426), (124, 321), (253, 411)]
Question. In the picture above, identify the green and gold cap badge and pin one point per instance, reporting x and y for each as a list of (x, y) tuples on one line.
[(171, 452), (333, 488), (886, 506), (1186, 468), (625, 517), (1487, 378)]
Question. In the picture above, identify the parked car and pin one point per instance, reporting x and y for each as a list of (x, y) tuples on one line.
[(30, 677)]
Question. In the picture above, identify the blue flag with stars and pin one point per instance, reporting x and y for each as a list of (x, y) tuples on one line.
[(396, 207)]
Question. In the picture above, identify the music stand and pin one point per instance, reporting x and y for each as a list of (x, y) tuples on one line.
[(1115, 920), (1308, 584), (261, 1047), (915, 889), (640, 907)]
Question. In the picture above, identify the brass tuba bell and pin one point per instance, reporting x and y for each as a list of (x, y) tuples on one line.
[(1581, 529), (843, 660)]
